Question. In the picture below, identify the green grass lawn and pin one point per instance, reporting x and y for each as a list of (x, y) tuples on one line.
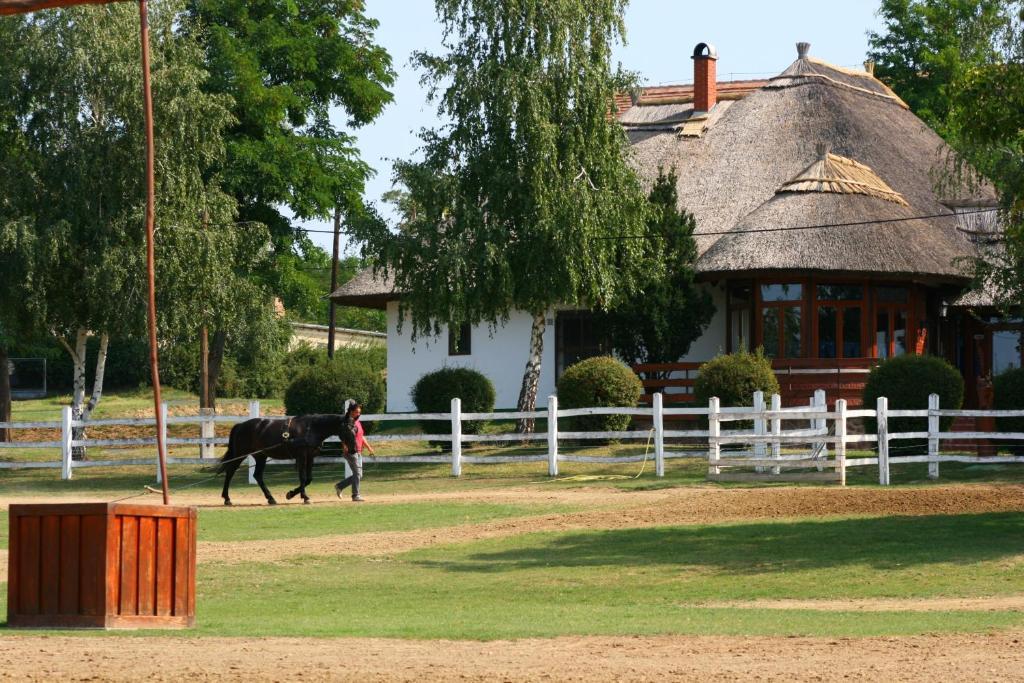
[(633, 581)]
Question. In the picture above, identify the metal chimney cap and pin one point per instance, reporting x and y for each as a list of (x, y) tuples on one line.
[(802, 49), (699, 51)]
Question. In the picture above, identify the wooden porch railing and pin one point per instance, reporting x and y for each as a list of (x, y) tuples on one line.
[(798, 378)]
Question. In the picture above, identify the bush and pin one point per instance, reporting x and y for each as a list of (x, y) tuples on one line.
[(323, 388), (734, 378), (598, 382), (907, 381), (1009, 395), (434, 391)]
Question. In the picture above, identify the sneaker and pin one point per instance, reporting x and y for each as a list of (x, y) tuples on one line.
[(338, 488), (357, 499)]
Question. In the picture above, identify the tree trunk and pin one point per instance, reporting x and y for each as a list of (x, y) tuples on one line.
[(97, 379), (531, 376), (78, 391), (5, 393), (216, 358)]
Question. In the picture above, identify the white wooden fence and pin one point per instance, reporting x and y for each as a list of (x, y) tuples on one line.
[(815, 451)]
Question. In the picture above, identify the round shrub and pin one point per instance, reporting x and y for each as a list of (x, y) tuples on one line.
[(734, 378), (1008, 387), (324, 388), (907, 381), (598, 382), (434, 391)]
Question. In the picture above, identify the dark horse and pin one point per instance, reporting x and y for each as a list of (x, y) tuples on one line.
[(297, 438)]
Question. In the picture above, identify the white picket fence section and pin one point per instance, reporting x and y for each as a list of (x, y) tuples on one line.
[(820, 451)]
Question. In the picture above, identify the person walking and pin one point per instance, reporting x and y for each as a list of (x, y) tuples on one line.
[(353, 410)]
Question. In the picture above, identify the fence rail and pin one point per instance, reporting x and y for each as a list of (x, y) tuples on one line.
[(819, 435)]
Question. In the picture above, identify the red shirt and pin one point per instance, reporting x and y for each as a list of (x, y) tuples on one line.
[(360, 437)]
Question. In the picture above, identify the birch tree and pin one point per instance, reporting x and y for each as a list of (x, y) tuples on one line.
[(77, 127), (523, 198)]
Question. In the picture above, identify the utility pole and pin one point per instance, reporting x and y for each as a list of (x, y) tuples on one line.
[(334, 281)]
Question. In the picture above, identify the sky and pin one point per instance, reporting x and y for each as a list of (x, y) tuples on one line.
[(754, 38)]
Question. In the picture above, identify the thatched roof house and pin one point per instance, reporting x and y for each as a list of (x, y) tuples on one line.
[(817, 213)]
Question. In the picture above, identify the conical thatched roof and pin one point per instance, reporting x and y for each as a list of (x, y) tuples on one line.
[(747, 170)]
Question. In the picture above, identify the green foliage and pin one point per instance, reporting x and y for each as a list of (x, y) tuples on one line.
[(671, 311), (1009, 395), (434, 391), (907, 381), (598, 382), (517, 201), (324, 388), (959, 64), (928, 45), (734, 378)]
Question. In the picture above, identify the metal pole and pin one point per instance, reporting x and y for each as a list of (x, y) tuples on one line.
[(147, 96), (334, 282)]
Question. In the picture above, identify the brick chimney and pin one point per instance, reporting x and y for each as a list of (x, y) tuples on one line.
[(705, 78)]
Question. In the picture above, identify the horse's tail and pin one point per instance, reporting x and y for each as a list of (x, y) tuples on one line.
[(228, 456)]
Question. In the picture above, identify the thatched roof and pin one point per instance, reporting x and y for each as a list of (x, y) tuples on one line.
[(749, 163), (731, 177)]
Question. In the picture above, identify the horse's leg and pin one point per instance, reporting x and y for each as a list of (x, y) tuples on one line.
[(298, 489), (261, 463), (229, 471), (308, 478)]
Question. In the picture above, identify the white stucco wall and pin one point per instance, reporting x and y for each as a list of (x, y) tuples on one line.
[(502, 358), (712, 342)]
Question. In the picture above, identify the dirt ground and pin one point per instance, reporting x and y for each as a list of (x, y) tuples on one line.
[(997, 657)]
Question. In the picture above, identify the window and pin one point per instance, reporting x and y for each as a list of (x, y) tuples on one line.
[(891, 313), (739, 305), (1006, 350), (840, 333), (577, 338), (781, 320), (459, 340)]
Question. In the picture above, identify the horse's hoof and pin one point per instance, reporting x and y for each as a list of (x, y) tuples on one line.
[(271, 501), (227, 501), (290, 495), (305, 501)]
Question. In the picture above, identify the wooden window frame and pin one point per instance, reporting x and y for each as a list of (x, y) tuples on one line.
[(760, 304)]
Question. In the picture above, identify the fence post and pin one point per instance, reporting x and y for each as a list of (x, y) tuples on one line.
[(552, 436), (65, 443), (254, 411), (776, 431), (821, 424), (456, 437), (207, 430), (714, 431), (162, 438), (658, 418), (841, 440), (933, 436), (760, 428), (882, 418)]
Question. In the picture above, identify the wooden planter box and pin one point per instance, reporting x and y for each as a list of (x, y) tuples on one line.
[(101, 565)]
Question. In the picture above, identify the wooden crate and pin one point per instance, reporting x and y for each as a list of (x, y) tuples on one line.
[(101, 565)]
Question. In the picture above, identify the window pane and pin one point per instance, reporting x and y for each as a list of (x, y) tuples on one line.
[(899, 333), (1005, 350), (826, 332), (851, 333), (459, 340), (792, 332), (882, 334), (892, 295), (840, 292), (740, 323), (770, 324), (790, 292)]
